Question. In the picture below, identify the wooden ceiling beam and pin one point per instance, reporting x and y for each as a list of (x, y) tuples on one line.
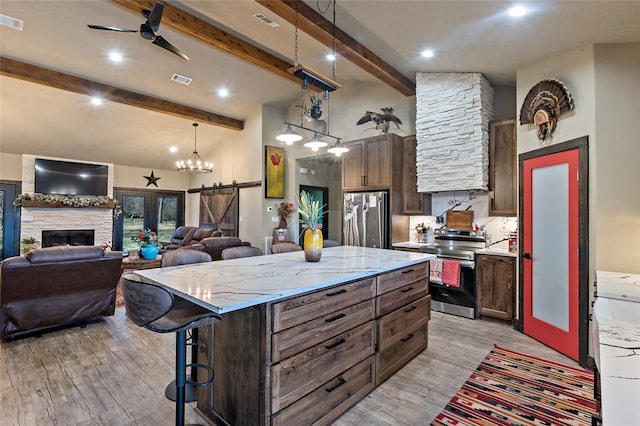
[(59, 80), (321, 29), (205, 32)]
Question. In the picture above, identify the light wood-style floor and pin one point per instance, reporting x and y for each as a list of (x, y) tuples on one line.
[(114, 373)]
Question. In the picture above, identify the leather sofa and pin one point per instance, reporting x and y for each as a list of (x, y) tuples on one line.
[(215, 245), (56, 286), (185, 236)]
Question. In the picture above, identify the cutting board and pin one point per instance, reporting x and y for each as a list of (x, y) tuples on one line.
[(460, 219)]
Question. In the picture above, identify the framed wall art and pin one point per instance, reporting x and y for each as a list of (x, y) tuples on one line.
[(274, 172)]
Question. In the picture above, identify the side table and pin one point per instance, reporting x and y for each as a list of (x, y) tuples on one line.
[(140, 263)]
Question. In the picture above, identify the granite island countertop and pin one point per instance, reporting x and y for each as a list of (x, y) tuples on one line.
[(228, 285), (616, 346)]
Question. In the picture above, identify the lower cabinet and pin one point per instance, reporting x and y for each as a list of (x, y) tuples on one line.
[(495, 283), (307, 359)]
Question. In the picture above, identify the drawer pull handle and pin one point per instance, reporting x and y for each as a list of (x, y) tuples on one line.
[(409, 309), (335, 344), (404, 290), (408, 271), (341, 382), (335, 293), (407, 338), (337, 317)]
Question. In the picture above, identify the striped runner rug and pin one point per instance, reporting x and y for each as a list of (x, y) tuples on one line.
[(510, 388)]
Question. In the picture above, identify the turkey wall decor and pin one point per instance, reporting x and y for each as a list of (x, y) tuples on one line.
[(544, 103)]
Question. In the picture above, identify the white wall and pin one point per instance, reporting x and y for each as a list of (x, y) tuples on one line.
[(10, 166), (617, 152)]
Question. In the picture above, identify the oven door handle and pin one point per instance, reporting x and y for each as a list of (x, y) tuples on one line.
[(470, 264)]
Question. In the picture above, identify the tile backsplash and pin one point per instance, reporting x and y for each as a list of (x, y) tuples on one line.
[(498, 228)]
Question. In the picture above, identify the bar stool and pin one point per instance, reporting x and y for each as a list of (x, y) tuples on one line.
[(157, 309), (285, 247), (184, 256)]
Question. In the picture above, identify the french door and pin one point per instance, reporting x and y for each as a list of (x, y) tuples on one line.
[(9, 220), (161, 211), (553, 252)]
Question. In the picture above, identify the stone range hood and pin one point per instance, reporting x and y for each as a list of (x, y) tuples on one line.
[(453, 111)]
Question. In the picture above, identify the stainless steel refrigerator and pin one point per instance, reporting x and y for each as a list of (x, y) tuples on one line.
[(366, 219)]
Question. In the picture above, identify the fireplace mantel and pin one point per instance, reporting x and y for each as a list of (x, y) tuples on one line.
[(57, 204)]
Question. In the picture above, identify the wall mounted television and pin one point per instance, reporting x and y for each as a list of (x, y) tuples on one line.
[(69, 178)]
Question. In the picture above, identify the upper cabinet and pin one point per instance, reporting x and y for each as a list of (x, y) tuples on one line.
[(413, 202), (367, 165), (502, 168)]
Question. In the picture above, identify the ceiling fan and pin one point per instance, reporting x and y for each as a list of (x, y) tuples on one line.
[(148, 29)]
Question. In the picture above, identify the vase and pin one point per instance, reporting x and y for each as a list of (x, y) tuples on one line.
[(281, 234), (149, 251), (312, 245)]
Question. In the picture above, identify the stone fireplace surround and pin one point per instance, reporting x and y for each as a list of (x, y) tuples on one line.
[(34, 220)]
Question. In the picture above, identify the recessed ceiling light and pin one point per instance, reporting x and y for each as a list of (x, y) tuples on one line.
[(427, 53), (173, 149), (517, 11), (223, 93), (96, 101), (115, 56), (330, 57)]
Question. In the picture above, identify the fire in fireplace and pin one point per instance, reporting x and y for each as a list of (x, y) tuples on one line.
[(74, 237)]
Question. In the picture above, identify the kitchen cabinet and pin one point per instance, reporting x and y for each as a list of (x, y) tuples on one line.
[(413, 202), (306, 359), (502, 168), (495, 284), (368, 164)]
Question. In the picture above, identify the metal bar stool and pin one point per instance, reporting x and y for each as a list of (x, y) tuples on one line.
[(155, 308)]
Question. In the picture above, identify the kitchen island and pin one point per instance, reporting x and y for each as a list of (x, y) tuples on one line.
[(302, 342)]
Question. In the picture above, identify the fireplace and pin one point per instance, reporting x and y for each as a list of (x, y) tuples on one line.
[(74, 237)]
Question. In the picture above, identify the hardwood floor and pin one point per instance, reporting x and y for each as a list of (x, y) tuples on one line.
[(114, 373)]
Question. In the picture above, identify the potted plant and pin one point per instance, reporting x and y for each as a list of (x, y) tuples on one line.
[(148, 240), (29, 244), (281, 233), (310, 212)]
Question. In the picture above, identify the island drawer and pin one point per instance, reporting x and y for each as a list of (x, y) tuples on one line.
[(400, 296), (330, 400), (296, 339), (394, 357), (303, 308), (300, 374), (393, 327), (401, 277)]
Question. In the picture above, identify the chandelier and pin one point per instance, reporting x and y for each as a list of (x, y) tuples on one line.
[(309, 78), (194, 164)]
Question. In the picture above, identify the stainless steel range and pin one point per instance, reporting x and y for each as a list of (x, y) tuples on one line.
[(461, 246)]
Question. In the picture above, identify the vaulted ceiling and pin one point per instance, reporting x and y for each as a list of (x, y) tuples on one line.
[(379, 42)]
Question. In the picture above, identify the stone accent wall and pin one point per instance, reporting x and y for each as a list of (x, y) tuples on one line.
[(453, 111), (33, 220)]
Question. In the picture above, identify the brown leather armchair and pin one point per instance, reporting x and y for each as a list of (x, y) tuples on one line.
[(56, 286)]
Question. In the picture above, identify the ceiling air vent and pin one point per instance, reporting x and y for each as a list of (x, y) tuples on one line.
[(181, 79), (264, 18), (11, 22)]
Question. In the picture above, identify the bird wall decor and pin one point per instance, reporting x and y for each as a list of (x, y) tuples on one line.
[(544, 103), (381, 120)]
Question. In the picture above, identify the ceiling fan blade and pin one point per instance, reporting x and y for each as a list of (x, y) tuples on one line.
[(120, 30), (160, 41), (153, 20)]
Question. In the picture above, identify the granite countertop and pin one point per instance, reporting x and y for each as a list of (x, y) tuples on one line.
[(496, 251), (409, 244), (616, 345), (227, 285)]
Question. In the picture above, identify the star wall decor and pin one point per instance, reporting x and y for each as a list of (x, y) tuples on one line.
[(152, 180)]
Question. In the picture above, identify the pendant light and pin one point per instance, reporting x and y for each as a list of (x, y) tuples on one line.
[(194, 164), (338, 149), (289, 136), (315, 143)]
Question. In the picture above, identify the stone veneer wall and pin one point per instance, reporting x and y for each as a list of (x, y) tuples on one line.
[(36, 219), (453, 111)]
